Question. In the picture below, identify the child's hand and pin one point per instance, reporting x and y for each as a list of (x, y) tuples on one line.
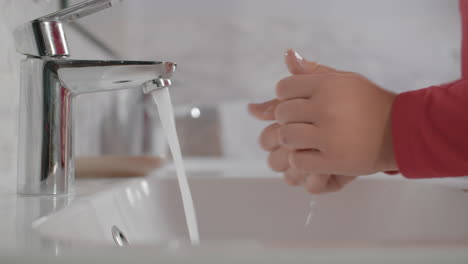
[(328, 124)]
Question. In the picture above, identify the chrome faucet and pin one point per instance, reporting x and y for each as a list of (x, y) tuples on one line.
[(49, 83)]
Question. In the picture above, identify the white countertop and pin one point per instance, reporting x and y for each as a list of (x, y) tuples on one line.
[(18, 213)]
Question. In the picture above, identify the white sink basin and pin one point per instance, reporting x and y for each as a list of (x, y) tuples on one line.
[(377, 210)]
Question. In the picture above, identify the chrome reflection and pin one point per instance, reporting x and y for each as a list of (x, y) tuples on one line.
[(119, 237)]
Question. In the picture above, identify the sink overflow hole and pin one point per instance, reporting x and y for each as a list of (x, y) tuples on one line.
[(119, 238)]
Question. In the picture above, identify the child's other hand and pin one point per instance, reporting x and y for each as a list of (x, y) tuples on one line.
[(329, 124)]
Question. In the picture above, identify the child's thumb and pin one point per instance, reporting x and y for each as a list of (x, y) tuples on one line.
[(297, 65)]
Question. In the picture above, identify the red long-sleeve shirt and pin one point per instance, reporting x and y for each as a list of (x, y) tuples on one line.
[(430, 126)]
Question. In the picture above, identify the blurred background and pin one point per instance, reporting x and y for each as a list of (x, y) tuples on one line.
[(229, 53)]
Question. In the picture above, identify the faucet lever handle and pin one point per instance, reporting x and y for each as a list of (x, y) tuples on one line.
[(79, 10), (45, 36)]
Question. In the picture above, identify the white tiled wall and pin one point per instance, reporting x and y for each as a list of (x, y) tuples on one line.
[(232, 50)]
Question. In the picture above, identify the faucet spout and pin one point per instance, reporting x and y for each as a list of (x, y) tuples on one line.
[(48, 87), (82, 76)]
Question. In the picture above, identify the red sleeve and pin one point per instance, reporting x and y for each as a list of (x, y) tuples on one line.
[(430, 131)]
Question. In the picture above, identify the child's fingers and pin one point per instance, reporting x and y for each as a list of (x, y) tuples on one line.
[(324, 183), (264, 111), (316, 183), (297, 65), (293, 177), (296, 111), (303, 86), (294, 62), (269, 139), (308, 161), (337, 182), (300, 136), (278, 160)]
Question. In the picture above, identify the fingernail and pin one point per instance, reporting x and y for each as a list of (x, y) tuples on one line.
[(299, 61), (298, 57)]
